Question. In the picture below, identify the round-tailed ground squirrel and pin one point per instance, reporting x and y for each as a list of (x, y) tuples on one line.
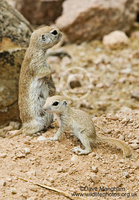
[(35, 83), (81, 124)]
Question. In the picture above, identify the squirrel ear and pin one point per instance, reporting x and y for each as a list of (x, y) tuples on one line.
[(65, 102)]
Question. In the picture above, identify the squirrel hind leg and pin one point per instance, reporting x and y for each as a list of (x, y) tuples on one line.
[(86, 143), (31, 128)]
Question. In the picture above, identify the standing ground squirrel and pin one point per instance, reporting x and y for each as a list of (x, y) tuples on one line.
[(81, 124), (35, 83)]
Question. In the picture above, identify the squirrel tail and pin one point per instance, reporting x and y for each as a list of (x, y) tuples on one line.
[(122, 145)]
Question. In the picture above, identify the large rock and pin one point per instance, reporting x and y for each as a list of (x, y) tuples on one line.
[(40, 11), (15, 33), (86, 20)]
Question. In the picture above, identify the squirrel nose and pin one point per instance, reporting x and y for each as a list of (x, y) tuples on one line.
[(54, 32)]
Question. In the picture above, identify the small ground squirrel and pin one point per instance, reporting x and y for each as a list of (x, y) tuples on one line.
[(81, 124), (35, 83)]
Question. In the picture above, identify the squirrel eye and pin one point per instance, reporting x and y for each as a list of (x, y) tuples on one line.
[(43, 37), (55, 103), (54, 32)]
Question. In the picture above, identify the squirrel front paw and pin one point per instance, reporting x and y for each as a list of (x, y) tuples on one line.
[(53, 138)]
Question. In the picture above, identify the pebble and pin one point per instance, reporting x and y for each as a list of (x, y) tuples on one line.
[(31, 173), (119, 184), (9, 179), (92, 154), (26, 150), (53, 59), (135, 95), (132, 178), (13, 191), (122, 137), (126, 71), (95, 179), (33, 188), (65, 61), (134, 146), (3, 155), (126, 174), (20, 155), (60, 169), (2, 182), (74, 158), (41, 138), (121, 161), (134, 141), (115, 39), (94, 169), (51, 179), (137, 150), (103, 182)]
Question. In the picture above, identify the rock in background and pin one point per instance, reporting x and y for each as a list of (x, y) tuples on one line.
[(15, 33), (40, 11), (86, 20)]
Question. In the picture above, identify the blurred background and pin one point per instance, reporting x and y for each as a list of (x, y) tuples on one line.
[(101, 37)]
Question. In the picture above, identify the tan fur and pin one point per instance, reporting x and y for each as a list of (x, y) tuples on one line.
[(35, 83), (81, 124)]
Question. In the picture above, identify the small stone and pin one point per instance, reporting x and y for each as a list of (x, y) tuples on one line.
[(24, 193), (2, 183), (135, 141), (108, 131), (33, 188), (9, 179), (31, 173), (59, 169), (74, 158), (126, 71), (51, 179), (119, 183), (103, 182), (92, 154), (95, 179), (121, 161), (137, 150), (121, 137), (132, 178), (53, 59), (13, 191), (65, 61), (3, 155), (134, 146), (115, 39), (20, 155), (26, 150), (126, 174), (94, 169), (41, 138), (135, 95)]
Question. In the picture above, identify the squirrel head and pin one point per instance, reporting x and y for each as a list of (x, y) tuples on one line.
[(45, 38), (55, 104)]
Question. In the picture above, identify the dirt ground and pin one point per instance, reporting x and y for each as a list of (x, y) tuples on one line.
[(114, 107)]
